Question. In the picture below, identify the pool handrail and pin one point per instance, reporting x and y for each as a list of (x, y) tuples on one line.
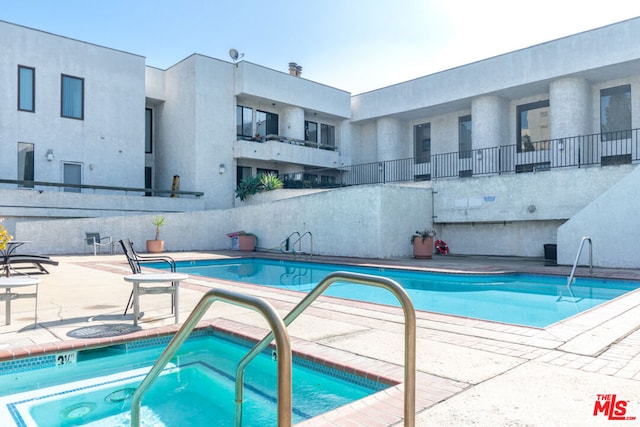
[(278, 329), (363, 279), (286, 243), (575, 264), (299, 242)]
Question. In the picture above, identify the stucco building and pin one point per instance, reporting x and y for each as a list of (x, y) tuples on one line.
[(533, 147)]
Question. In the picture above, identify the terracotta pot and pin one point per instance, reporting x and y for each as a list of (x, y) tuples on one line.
[(247, 242), (423, 249), (155, 246)]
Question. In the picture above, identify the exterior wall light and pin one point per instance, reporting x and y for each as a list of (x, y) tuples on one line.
[(221, 168), (479, 154), (49, 155), (561, 145)]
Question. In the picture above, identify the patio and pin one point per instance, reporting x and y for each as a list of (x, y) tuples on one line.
[(471, 372)]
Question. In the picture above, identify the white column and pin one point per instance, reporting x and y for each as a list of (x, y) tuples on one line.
[(292, 123), (390, 139), (489, 131), (570, 110)]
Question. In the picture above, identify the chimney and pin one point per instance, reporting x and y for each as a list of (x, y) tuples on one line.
[(298, 70), (293, 68)]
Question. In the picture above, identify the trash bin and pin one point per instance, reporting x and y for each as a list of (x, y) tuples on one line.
[(551, 251)]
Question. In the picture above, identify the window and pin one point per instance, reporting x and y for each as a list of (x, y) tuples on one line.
[(266, 123), (148, 130), (328, 135), (615, 113), (422, 143), (244, 122), (464, 137), (241, 173), (72, 174), (148, 180), (261, 171), (25, 163), (72, 99), (26, 89), (533, 126), (310, 131)]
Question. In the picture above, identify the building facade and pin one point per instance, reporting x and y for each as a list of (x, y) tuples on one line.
[(525, 143)]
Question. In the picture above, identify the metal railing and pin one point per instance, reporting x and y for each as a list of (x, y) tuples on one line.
[(28, 185), (287, 140), (575, 263), (278, 330), (299, 242), (604, 149), (409, 333)]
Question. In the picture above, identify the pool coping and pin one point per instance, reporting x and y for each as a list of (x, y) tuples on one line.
[(430, 389)]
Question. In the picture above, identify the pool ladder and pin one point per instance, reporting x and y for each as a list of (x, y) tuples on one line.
[(571, 277), (283, 346), (575, 263), (288, 245)]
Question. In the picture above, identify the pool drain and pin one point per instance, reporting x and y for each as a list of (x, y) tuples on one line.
[(120, 395), (78, 410)]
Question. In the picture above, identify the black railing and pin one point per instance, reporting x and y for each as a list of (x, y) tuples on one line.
[(602, 149), (79, 188), (287, 140)]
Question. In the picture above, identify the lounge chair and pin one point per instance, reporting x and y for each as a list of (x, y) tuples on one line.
[(94, 239), (135, 260), (36, 261)]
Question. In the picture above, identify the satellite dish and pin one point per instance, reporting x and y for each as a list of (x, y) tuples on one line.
[(233, 54)]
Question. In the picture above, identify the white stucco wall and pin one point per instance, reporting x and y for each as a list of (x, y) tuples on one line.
[(108, 143), (367, 221), (517, 214), (611, 221), (280, 87), (525, 69)]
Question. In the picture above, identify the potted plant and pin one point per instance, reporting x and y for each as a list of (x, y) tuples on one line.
[(423, 243), (156, 245)]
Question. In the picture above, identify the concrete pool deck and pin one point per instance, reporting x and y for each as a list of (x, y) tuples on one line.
[(470, 372)]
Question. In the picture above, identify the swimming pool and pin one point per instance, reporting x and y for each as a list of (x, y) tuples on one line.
[(521, 299), (94, 387)]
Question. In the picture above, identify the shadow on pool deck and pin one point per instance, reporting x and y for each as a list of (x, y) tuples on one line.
[(510, 375)]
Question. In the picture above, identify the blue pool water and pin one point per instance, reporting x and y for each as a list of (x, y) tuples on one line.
[(520, 299), (196, 389)]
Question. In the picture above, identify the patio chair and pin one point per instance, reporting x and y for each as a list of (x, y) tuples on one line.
[(8, 262), (94, 239), (134, 260)]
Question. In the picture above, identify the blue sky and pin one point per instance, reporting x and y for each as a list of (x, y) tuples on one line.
[(354, 45)]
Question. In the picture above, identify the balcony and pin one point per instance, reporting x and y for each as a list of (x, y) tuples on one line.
[(602, 149), (286, 150)]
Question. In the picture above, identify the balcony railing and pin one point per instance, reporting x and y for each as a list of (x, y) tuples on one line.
[(103, 189), (601, 149), (287, 140)]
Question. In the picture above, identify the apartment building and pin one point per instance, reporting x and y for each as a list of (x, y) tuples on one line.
[(530, 147)]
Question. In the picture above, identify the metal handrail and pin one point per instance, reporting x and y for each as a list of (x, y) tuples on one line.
[(278, 329), (286, 242), (299, 241), (153, 191), (575, 263), (364, 279)]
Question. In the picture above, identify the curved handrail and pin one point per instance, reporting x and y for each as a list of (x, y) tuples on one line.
[(299, 241), (575, 264), (283, 348), (364, 279), (286, 241)]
